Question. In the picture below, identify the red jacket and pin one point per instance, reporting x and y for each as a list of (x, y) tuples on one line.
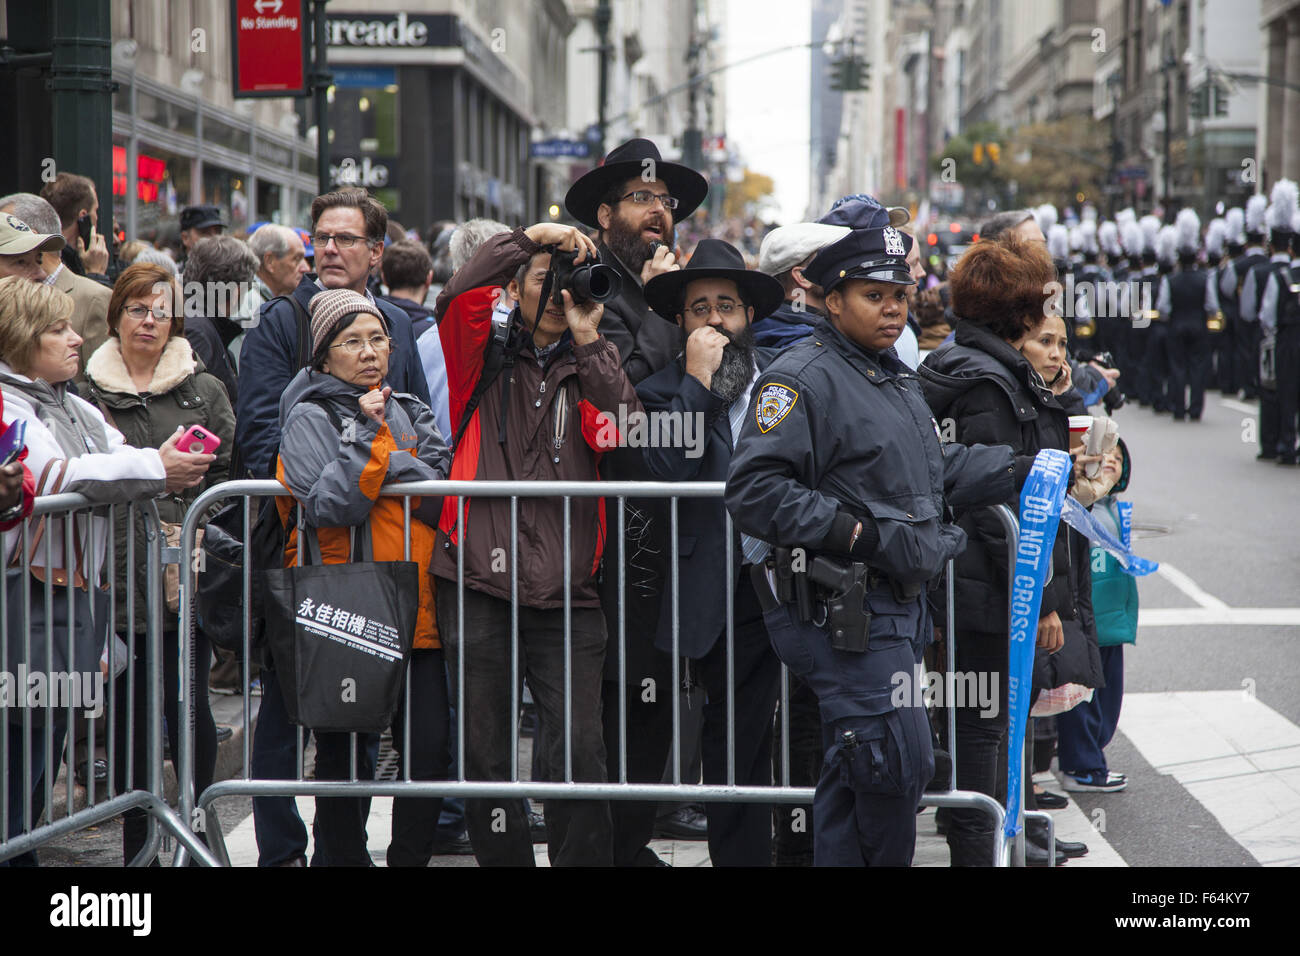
[(553, 433)]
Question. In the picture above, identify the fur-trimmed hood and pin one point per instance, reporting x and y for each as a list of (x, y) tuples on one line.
[(108, 371)]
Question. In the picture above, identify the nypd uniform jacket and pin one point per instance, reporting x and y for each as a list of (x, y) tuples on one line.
[(837, 433), (835, 428)]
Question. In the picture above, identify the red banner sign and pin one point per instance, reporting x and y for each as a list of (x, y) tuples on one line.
[(269, 48)]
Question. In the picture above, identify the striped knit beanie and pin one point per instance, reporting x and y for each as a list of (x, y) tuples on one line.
[(330, 307)]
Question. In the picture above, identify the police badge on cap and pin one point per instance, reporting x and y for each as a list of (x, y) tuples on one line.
[(876, 254)]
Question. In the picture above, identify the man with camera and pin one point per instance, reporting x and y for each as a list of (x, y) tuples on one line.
[(525, 400)]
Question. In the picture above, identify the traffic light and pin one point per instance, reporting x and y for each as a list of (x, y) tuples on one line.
[(1197, 103), (861, 74), (839, 75), (977, 154), (1220, 102), (995, 152), (850, 74)]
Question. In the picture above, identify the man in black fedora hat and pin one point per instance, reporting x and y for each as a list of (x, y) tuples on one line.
[(701, 398), (635, 198)]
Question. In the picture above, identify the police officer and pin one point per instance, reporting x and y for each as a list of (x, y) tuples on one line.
[(1279, 316), (1187, 301), (1252, 289), (840, 467)]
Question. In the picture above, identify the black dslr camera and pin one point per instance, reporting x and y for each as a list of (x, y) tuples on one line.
[(1113, 398), (590, 281)]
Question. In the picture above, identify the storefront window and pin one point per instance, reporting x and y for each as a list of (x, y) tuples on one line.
[(168, 115), (162, 188), (215, 131), (122, 97), (228, 191), (119, 179), (268, 202), (364, 148)]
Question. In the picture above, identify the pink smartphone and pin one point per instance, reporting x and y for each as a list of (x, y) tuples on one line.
[(198, 441)]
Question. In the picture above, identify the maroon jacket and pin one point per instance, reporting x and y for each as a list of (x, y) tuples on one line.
[(553, 433)]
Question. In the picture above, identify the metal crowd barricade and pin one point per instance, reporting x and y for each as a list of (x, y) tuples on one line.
[(24, 738), (202, 806)]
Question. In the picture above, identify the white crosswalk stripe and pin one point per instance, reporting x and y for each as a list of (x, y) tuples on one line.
[(1234, 754)]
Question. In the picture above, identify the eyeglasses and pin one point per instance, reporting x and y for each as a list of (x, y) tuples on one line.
[(341, 239), (643, 196), (138, 312), (380, 343), (723, 308)]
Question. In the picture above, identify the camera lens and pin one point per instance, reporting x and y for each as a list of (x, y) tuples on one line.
[(598, 283)]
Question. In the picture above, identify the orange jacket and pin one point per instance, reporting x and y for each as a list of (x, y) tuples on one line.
[(337, 478)]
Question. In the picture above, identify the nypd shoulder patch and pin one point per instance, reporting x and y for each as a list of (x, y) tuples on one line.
[(774, 404)]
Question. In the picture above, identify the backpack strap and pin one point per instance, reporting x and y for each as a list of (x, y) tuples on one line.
[(328, 408), (304, 327)]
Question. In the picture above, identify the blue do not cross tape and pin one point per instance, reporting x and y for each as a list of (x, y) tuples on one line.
[(1040, 513)]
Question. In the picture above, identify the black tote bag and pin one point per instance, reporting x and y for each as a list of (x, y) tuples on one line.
[(340, 635)]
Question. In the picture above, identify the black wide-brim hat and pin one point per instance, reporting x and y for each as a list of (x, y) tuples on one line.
[(714, 259), (627, 162)]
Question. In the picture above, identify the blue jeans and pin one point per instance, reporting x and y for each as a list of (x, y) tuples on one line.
[(281, 834), (1084, 732)]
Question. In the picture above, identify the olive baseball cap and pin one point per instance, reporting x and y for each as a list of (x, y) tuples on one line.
[(16, 237)]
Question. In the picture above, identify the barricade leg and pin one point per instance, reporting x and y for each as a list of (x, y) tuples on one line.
[(740, 833), (423, 749)]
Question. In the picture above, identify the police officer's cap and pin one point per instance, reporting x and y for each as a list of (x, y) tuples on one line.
[(879, 255)]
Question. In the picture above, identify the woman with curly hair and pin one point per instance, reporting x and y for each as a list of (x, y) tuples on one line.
[(999, 382)]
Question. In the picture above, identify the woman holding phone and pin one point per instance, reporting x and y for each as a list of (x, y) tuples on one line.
[(69, 446), (148, 383), (1000, 382)]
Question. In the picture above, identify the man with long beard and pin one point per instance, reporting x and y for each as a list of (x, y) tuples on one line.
[(636, 199), (716, 299)]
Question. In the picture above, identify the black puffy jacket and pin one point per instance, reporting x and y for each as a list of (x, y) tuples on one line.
[(983, 391)]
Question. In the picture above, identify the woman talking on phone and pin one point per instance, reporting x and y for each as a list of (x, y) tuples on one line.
[(150, 386), (999, 383)]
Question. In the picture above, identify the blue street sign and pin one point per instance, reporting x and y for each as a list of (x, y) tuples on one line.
[(559, 149)]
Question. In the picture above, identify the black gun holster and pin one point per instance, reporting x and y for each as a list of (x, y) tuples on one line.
[(842, 588)]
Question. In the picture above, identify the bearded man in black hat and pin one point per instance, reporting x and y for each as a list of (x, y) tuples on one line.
[(636, 199), (698, 403)]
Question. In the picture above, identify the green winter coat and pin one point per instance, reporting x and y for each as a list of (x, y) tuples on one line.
[(1114, 591), (181, 394)]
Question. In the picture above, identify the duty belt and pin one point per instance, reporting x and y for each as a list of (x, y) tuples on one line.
[(827, 592)]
